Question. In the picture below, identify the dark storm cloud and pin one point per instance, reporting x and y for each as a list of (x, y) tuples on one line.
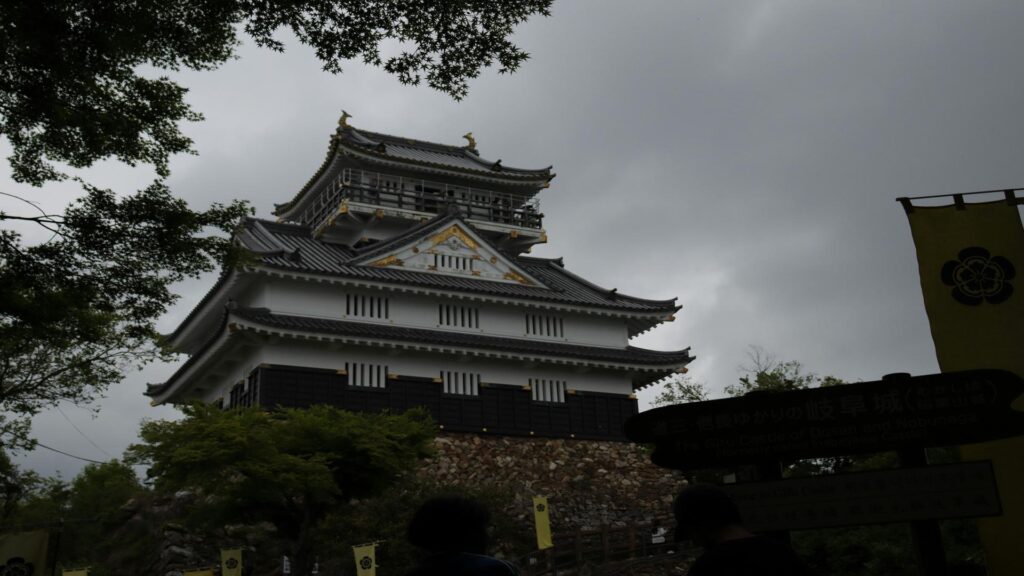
[(743, 156)]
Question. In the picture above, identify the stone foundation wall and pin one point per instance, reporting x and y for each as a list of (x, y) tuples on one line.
[(588, 483)]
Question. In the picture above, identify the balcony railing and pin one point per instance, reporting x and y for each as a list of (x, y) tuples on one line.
[(390, 191)]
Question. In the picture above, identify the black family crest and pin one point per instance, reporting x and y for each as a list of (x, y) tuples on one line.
[(976, 276), (366, 563)]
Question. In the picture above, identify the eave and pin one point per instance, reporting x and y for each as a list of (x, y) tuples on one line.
[(647, 365)]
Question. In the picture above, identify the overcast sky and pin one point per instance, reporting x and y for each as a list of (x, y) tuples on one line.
[(741, 156)]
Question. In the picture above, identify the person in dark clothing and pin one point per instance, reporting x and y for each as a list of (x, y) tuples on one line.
[(708, 516), (453, 533)]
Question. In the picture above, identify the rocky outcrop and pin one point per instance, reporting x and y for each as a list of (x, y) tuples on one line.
[(588, 483)]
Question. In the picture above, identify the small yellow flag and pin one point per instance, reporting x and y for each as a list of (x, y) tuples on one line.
[(76, 572), (231, 562), (24, 551), (543, 521), (201, 572), (366, 559)]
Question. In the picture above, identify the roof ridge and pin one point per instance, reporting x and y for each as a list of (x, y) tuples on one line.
[(447, 147)]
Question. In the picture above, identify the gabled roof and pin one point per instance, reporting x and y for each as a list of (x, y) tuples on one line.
[(385, 149), (291, 247)]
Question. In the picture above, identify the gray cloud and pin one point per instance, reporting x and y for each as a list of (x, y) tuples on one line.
[(743, 156)]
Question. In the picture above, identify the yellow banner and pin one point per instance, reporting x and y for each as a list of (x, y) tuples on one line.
[(971, 261), (85, 572), (24, 552), (543, 522), (231, 562), (366, 559), (202, 572)]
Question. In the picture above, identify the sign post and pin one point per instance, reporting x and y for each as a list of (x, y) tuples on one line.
[(898, 413)]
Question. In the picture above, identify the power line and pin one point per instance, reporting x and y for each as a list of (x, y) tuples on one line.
[(41, 445), (82, 434)]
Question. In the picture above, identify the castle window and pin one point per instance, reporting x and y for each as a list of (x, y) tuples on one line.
[(461, 383), (245, 393), (453, 263), (545, 325), (366, 375), (363, 306), (458, 316), (546, 390)]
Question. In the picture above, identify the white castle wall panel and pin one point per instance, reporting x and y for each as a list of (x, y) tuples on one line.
[(302, 298)]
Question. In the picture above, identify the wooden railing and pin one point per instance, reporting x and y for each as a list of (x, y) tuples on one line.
[(390, 191), (605, 546)]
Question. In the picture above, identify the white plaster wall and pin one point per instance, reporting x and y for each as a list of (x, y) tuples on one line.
[(231, 366), (301, 298), (334, 356)]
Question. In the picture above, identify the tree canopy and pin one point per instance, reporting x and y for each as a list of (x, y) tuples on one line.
[(288, 467), (78, 310), (75, 75)]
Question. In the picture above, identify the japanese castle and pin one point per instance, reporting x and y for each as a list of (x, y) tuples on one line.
[(396, 277)]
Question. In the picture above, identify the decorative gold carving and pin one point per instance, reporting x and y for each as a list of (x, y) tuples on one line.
[(343, 207), (456, 232), (472, 141), (494, 259), (415, 250), (392, 376), (391, 260), (341, 372), (437, 380), (379, 213), (513, 234), (516, 277), (343, 121), (475, 272), (543, 237)]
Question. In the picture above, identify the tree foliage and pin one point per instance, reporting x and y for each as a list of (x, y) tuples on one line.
[(79, 309), (75, 85), (287, 467), (681, 389)]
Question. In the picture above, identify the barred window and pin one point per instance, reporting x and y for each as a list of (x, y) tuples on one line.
[(245, 393), (462, 383), (546, 390), (364, 306), (458, 316), (545, 325), (366, 375), (453, 263)]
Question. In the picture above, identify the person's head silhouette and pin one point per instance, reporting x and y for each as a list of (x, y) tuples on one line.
[(450, 524), (705, 514)]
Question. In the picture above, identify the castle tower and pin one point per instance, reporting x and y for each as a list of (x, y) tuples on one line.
[(396, 277)]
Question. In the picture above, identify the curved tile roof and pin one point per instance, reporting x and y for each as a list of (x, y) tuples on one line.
[(628, 355), (374, 146), (292, 247)]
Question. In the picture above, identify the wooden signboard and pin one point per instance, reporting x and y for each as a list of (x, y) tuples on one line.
[(889, 414), (961, 490)]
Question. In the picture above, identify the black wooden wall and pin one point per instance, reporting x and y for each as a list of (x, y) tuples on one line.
[(498, 409)]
